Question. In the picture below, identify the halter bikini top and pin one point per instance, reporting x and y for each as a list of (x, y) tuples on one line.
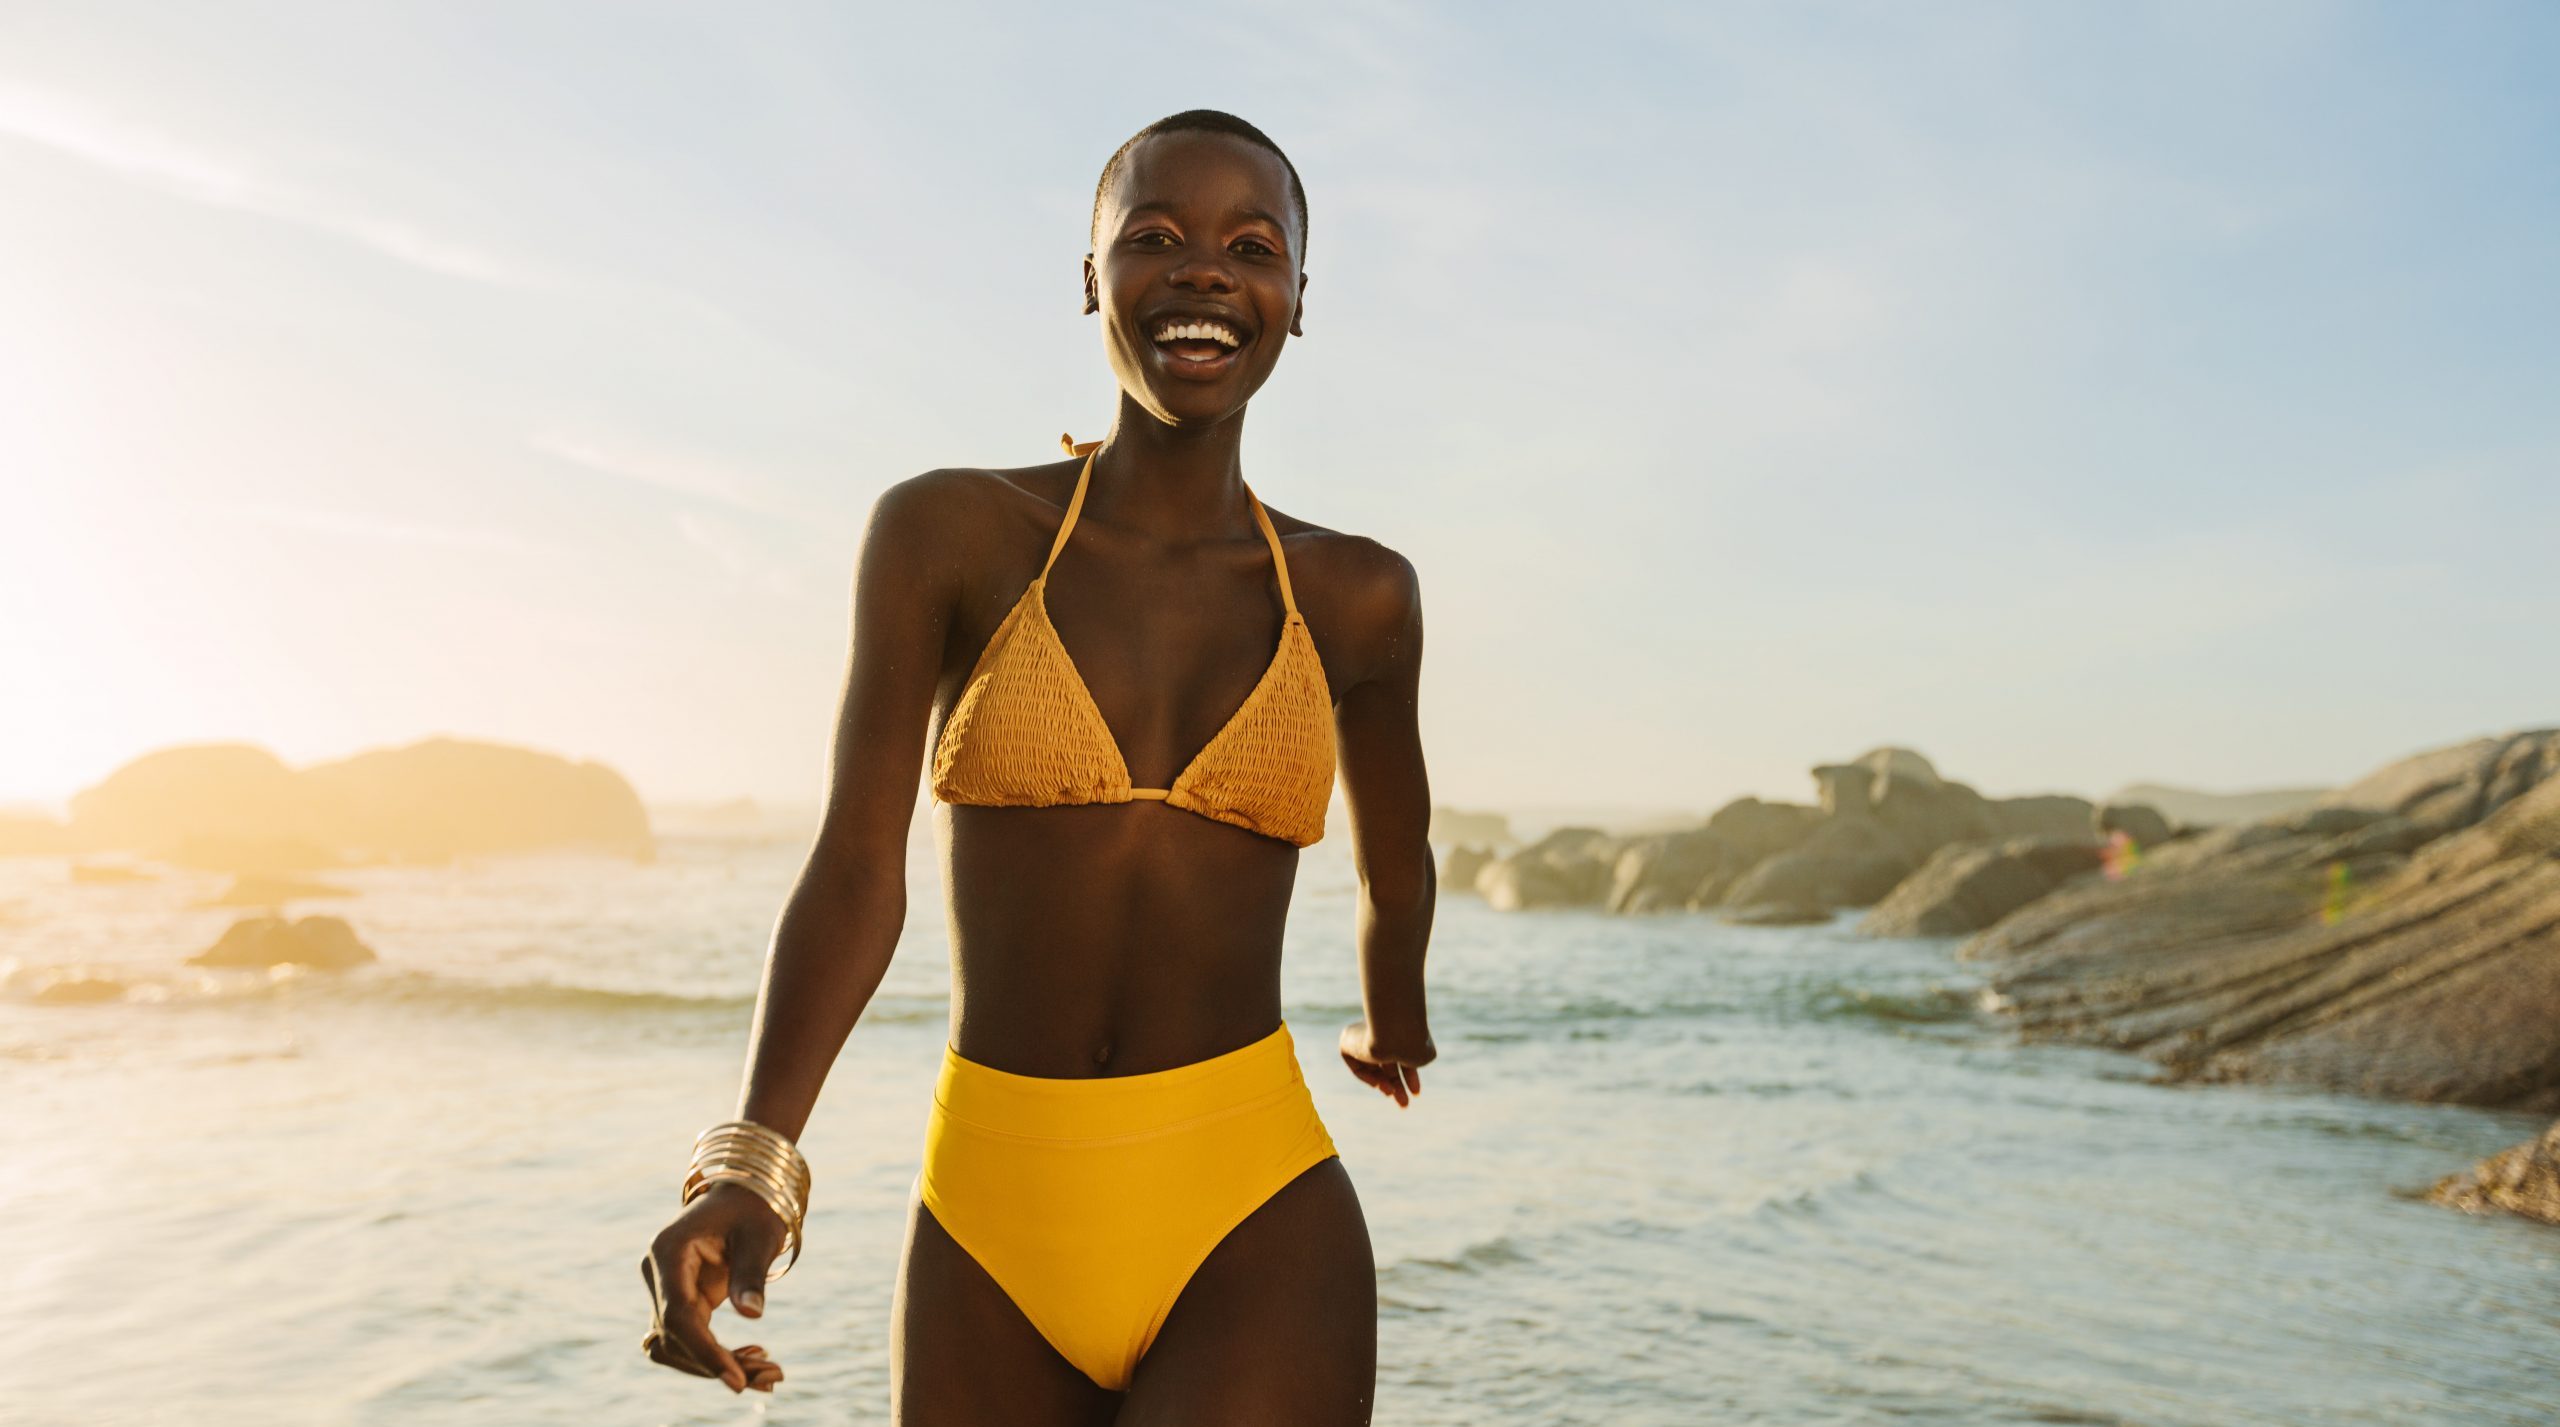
[(1027, 733)]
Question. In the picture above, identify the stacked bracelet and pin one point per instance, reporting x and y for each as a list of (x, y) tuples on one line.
[(746, 1153)]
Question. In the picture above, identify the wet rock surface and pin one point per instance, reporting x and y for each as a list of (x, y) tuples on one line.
[(2523, 1180), (2341, 947)]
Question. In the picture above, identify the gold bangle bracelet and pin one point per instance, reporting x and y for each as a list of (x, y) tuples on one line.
[(764, 1162), (783, 1157), (782, 1178), (791, 1237)]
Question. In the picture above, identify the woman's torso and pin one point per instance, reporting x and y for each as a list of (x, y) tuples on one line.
[(1118, 938)]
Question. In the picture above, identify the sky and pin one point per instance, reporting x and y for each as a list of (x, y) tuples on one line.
[(2078, 394)]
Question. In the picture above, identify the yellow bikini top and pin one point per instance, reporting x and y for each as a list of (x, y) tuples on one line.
[(1026, 732)]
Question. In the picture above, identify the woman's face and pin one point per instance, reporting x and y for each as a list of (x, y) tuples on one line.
[(1195, 273)]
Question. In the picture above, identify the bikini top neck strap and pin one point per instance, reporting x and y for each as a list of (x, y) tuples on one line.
[(1279, 561), (1075, 503)]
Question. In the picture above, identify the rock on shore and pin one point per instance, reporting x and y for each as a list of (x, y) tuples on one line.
[(2523, 1180), (1969, 886), (2401, 940), (256, 943), (1879, 818)]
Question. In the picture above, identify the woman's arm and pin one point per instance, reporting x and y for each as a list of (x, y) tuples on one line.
[(838, 927), (1379, 737)]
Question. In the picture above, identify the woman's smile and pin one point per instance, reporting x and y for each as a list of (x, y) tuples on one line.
[(1199, 346)]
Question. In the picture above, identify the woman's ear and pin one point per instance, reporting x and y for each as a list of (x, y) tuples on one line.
[(1092, 299), (1297, 315)]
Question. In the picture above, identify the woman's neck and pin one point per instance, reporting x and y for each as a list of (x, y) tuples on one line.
[(1170, 482)]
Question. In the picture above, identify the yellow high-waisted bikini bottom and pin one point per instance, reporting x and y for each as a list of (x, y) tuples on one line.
[(1092, 1201)]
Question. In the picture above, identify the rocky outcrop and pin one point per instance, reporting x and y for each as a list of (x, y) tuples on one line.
[(256, 943), (2523, 1180), (2050, 815), (2342, 947), (237, 808), (2450, 789), (1671, 871), (1847, 862), (1756, 830), (2138, 821), (1881, 815), (1465, 863), (1569, 867), (1967, 887), (1845, 787)]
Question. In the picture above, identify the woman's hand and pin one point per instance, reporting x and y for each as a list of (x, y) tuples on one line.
[(716, 1251), (1392, 1071)]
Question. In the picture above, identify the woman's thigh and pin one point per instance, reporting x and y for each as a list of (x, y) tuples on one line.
[(1278, 1326), (962, 1355)]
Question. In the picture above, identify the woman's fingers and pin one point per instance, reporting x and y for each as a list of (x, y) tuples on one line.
[(685, 1283), (1387, 1079)]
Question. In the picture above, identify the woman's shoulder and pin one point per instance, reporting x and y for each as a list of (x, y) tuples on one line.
[(1355, 588), (1361, 565), (965, 503)]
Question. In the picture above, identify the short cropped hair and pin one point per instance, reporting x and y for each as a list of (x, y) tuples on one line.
[(1201, 121)]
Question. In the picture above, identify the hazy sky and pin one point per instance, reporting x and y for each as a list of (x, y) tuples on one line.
[(2077, 393)]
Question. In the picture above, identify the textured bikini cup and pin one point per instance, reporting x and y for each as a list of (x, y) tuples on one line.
[(1027, 733)]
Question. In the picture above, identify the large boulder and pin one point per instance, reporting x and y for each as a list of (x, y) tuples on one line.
[(1464, 865), (2317, 949), (1847, 862), (2050, 815), (2138, 821), (1569, 867), (2448, 789), (1926, 816), (1757, 830), (1845, 787), (2522, 1180), (1969, 886), (1669, 871), (1898, 765), (256, 943)]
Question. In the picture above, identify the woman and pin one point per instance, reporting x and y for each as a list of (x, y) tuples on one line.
[(1128, 1211)]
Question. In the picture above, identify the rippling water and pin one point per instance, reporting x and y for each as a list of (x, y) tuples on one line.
[(1665, 1171)]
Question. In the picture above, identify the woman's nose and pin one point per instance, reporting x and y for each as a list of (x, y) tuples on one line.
[(1203, 275)]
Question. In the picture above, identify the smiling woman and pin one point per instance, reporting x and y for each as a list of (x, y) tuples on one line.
[(1129, 1210)]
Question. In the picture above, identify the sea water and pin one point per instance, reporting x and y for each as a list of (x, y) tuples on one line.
[(1664, 1172)]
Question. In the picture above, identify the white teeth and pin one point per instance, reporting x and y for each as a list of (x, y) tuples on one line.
[(1217, 332)]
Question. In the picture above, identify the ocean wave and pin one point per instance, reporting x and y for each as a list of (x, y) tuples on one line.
[(1501, 1251), (1935, 1005)]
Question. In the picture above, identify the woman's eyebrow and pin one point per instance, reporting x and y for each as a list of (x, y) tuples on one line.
[(1166, 209)]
